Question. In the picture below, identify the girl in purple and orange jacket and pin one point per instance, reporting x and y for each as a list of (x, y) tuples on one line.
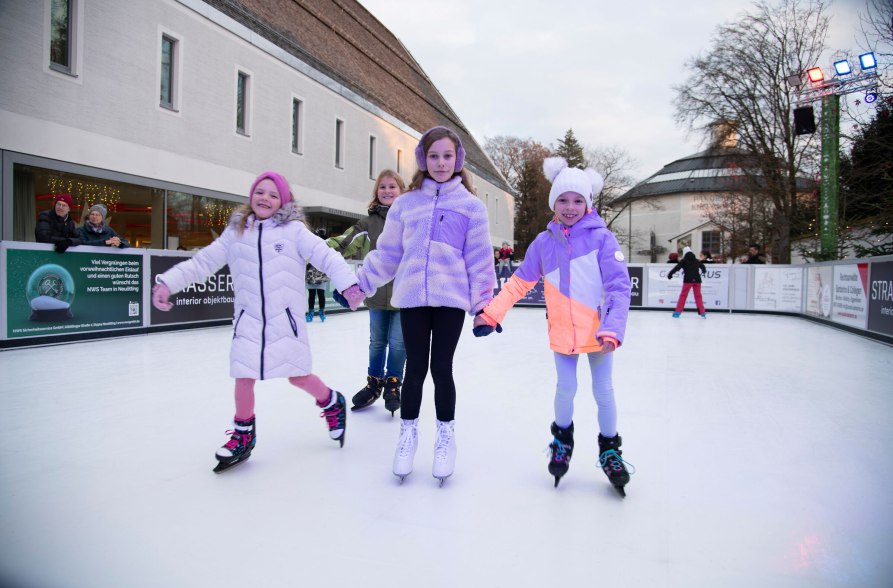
[(436, 247), (587, 291)]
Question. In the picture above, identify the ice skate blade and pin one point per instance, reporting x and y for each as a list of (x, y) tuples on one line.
[(402, 477), (340, 440), (557, 479), (223, 466), (621, 491), (442, 480)]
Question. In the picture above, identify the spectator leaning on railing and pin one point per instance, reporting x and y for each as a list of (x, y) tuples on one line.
[(56, 225)]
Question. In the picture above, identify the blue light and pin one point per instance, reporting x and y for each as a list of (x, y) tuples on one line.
[(842, 67), (870, 98), (867, 61)]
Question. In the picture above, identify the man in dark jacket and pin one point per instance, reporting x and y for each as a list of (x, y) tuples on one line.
[(56, 226)]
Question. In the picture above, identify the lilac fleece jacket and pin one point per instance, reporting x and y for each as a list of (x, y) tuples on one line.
[(436, 247)]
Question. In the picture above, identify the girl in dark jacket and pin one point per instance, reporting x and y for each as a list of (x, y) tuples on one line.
[(56, 226), (387, 352), (692, 270)]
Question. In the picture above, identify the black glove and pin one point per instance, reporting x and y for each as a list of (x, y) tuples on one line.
[(340, 299), (669, 276), (62, 245), (484, 330)]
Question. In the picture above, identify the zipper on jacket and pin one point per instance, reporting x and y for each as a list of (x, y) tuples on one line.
[(430, 239), (570, 303), (236, 326), (263, 311), (291, 319)]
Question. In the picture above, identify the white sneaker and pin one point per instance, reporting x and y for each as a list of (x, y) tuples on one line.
[(444, 451), (406, 446)]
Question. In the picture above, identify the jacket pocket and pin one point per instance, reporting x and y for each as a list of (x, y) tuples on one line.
[(291, 320), (236, 325), (450, 228)]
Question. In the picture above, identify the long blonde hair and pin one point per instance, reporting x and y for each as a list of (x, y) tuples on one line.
[(385, 173), (428, 140)]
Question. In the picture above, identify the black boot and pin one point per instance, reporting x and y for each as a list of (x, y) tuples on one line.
[(392, 394), (612, 463), (560, 451), (367, 395), (239, 447)]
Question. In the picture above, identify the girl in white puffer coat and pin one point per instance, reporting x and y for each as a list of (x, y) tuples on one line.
[(267, 245)]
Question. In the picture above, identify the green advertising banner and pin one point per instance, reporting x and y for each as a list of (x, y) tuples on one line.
[(48, 293)]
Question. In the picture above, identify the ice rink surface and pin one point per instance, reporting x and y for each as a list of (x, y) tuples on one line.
[(762, 446)]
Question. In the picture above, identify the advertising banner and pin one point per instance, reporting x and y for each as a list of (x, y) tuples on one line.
[(849, 301), (635, 278), (48, 293), (664, 293), (880, 298), (209, 300), (818, 292), (537, 297), (778, 288)]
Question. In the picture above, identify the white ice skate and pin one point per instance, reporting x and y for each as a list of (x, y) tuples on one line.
[(406, 447), (444, 451)]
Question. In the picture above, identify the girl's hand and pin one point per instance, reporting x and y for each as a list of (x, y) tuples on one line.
[(160, 297), (608, 346), (354, 296)]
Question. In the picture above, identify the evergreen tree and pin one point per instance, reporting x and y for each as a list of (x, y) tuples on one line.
[(533, 197), (570, 149)]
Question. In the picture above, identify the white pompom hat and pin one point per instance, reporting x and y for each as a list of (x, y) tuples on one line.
[(585, 182)]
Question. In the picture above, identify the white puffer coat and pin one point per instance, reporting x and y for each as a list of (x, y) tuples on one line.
[(267, 264)]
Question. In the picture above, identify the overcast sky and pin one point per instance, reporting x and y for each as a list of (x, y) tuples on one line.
[(535, 68)]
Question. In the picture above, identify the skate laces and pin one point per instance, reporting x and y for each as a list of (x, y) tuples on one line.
[(237, 439), (558, 450), (407, 440), (615, 462), (334, 416), (444, 434)]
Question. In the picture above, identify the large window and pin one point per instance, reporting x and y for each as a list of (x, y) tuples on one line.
[(243, 102), (712, 242), (373, 163), (399, 161), (168, 71), (61, 33), (195, 221)]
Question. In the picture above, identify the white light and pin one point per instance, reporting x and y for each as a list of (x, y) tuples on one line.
[(867, 61), (842, 67)]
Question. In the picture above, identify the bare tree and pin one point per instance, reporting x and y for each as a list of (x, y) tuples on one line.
[(742, 79)]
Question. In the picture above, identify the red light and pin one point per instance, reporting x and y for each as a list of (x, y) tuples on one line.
[(815, 75)]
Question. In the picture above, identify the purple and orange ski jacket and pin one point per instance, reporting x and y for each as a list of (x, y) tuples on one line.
[(586, 284)]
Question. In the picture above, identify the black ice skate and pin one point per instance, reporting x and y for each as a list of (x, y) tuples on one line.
[(560, 450), (392, 394), (239, 446), (367, 395), (612, 463), (335, 414)]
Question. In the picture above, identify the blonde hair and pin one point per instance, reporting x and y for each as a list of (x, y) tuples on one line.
[(436, 135), (240, 215), (385, 173)]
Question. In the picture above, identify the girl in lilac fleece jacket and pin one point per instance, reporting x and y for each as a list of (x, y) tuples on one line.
[(436, 247)]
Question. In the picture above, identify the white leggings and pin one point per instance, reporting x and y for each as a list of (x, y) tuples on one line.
[(600, 364)]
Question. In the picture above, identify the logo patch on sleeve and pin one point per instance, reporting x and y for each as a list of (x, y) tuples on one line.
[(618, 255)]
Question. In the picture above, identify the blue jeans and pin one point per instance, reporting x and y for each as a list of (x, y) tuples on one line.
[(386, 333)]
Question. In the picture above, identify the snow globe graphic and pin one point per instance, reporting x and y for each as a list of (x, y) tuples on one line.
[(50, 292)]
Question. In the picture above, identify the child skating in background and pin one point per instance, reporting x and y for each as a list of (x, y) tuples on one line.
[(436, 248), (587, 290), (387, 352), (692, 270), (316, 282), (266, 246)]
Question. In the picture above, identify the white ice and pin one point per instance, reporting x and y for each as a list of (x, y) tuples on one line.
[(762, 446)]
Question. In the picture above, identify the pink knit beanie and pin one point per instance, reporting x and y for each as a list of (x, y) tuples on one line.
[(281, 186)]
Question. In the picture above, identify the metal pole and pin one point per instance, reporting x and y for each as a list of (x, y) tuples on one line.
[(830, 176)]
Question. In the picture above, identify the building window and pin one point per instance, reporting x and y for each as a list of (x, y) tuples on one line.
[(339, 144), (193, 221), (495, 214), (297, 126), (243, 102), (168, 68), (399, 161), (62, 35), (373, 165), (712, 241)]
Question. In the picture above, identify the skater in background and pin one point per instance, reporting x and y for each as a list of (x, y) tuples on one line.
[(316, 282), (96, 231), (692, 270), (387, 352), (266, 246), (587, 301), (506, 255), (436, 248), (56, 225)]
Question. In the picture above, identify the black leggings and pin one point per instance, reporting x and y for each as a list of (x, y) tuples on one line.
[(430, 332), (311, 292)]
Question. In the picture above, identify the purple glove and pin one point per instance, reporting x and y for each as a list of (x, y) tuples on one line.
[(354, 296), (160, 295)]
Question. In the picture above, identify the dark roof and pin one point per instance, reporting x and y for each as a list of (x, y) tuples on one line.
[(344, 41), (714, 170)]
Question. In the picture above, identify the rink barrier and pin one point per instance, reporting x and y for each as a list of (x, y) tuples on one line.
[(96, 292)]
